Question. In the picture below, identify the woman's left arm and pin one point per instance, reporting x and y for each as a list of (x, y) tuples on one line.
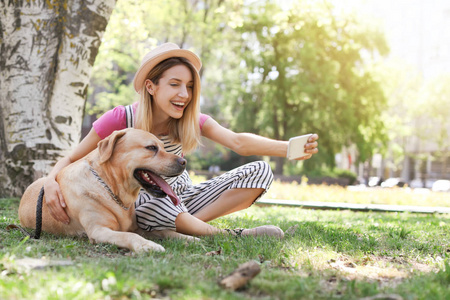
[(251, 144)]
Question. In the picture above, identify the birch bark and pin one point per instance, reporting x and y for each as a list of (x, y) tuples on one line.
[(48, 48)]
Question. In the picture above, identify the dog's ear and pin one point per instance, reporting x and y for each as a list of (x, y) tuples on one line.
[(106, 146)]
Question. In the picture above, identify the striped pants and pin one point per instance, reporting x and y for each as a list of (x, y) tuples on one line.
[(154, 213)]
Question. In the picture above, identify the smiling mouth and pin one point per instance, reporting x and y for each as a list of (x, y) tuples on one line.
[(178, 104)]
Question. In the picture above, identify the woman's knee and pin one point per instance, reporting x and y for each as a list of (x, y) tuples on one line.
[(153, 215), (263, 170)]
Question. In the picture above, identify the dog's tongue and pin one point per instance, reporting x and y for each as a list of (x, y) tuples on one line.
[(166, 189)]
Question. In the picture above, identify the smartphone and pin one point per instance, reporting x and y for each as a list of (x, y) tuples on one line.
[(296, 147)]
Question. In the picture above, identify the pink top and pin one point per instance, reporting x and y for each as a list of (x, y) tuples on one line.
[(115, 119)]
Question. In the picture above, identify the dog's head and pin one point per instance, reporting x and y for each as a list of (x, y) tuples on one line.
[(138, 154)]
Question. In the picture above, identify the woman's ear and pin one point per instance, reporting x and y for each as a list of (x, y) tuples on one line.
[(149, 86)]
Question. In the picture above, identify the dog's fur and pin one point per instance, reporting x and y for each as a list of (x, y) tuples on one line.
[(90, 207)]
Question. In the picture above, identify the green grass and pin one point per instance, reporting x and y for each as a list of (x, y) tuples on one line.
[(325, 255)]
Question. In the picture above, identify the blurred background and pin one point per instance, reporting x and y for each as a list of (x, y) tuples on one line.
[(370, 77)]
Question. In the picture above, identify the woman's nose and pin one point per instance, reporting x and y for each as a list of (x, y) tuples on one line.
[(183, 92)]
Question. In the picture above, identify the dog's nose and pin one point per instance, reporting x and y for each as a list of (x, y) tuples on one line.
[(181, 161)]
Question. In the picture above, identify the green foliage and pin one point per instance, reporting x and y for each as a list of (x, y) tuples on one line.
[(123, 45), (271, 70), (341, 173), (417, 109), (225, 160), (135, 27), (306, 69), (401, 85), (323, 171), (433, 108), (319, 172)]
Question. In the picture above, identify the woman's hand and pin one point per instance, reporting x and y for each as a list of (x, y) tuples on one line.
[(310, 147), (53, 196), (55, 201)]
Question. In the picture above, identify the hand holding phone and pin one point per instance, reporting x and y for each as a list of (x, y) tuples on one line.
[(296, 147)]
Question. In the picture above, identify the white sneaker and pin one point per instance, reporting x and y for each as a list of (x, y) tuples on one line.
[(266, 230)]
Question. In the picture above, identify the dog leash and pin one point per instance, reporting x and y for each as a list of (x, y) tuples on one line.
[(37, 231)]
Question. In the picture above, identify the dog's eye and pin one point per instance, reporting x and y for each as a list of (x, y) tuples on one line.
[(152, 148)]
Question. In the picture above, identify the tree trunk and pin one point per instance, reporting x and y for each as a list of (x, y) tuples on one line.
[(279, 163), (47, 52)]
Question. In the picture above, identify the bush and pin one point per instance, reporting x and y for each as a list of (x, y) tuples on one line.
[(323, 173), (351, 176)]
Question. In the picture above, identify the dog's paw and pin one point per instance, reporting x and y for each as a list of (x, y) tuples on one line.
[(148, 246), (190, 238)]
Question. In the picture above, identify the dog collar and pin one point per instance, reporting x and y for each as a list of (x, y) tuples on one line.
[(115, 197)]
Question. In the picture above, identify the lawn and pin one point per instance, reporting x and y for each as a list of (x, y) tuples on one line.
[(324, 255), (392, 196)]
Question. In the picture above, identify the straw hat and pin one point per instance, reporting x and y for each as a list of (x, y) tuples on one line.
[(159, 54)]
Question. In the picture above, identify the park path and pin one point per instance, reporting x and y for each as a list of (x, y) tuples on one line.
[(356, 207)]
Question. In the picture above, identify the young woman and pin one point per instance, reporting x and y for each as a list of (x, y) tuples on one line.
[(169, 87)]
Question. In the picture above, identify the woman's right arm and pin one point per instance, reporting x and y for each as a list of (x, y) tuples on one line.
[(53, 196)]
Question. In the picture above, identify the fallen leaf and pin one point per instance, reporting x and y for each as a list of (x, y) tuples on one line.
[(212, 253)]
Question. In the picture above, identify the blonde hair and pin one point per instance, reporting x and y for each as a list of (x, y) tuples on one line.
[(185, 130)]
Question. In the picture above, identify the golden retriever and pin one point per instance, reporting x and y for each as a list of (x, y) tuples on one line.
[(123, 163)]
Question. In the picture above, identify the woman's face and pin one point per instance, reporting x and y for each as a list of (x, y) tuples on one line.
[(173, 92)]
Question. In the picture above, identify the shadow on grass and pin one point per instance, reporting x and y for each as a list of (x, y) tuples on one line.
[(350, 232)]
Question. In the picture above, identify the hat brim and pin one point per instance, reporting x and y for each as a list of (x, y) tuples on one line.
[(143, 70)]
